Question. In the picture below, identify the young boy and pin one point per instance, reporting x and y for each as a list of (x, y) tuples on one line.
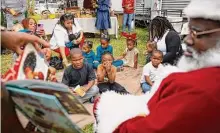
[(150, 47), (151, 71), (128, 6), (80, 73)]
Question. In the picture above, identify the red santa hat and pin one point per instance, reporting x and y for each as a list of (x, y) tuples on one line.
[(207, 9), (132, 36)]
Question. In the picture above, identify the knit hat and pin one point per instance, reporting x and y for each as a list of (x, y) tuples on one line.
[(207, 9)]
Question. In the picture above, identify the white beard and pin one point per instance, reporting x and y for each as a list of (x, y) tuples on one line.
[(209, 58)]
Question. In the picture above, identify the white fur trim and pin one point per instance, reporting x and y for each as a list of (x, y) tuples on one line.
[(113, 108), (207, 9)]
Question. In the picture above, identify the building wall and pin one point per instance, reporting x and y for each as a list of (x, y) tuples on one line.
[(174, 5)]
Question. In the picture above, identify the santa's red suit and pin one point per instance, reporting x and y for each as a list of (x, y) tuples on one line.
[(184, 103)]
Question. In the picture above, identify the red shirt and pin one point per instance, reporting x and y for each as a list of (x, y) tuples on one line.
[(184, 103), (130, 6)]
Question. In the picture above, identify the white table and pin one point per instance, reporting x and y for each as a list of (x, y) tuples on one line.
[(87, 24)]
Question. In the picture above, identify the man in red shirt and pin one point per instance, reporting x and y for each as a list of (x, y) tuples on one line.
[(128, 6), (186, 100)]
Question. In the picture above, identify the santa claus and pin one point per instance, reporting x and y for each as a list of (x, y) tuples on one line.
[(186, 100)]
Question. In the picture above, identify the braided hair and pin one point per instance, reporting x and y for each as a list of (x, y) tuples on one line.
[(158, 27)]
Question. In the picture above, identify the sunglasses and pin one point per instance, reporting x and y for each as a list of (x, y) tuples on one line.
[(196, 34)]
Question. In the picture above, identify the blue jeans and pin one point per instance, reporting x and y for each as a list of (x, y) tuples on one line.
[(145, 87), (116, 63), (127, 19)]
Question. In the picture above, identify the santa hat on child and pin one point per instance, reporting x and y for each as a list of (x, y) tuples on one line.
[(207, 9), (131, 36)]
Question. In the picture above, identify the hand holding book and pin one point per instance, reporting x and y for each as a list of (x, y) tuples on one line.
[(79, 90)]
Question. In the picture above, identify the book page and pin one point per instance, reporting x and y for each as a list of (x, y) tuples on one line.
[(32, 65)]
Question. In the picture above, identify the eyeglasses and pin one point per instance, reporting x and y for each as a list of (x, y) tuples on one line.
[(196, 34)]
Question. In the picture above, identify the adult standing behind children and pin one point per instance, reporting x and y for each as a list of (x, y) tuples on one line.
[(80, 73), (128, 6), (167, 39), (103, 21), (67, 34), (151, 71)]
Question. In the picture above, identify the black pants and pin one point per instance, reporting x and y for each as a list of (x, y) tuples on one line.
[(103, 87)]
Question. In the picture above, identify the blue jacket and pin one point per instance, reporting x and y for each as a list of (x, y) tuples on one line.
[(89, 57), (101, 50)]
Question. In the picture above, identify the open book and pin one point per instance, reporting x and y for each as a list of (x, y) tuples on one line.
[(47, 105), (32, 64)]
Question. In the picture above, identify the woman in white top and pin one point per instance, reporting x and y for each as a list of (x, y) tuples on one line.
[(167, 39), (67, 34)]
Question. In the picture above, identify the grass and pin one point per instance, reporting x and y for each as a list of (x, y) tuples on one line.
[(6, 62), (119, 46)]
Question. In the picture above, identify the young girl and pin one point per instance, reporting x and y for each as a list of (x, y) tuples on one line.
[(150, 47), (130, 55), (88, 53), (106, 74), (105, 47)]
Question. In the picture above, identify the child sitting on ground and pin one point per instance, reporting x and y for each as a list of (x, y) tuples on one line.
[(105, 47), (151, 71), (80, 74), (89, 55), (51, 70), (106, 74), (130, 55), (150, 47)]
